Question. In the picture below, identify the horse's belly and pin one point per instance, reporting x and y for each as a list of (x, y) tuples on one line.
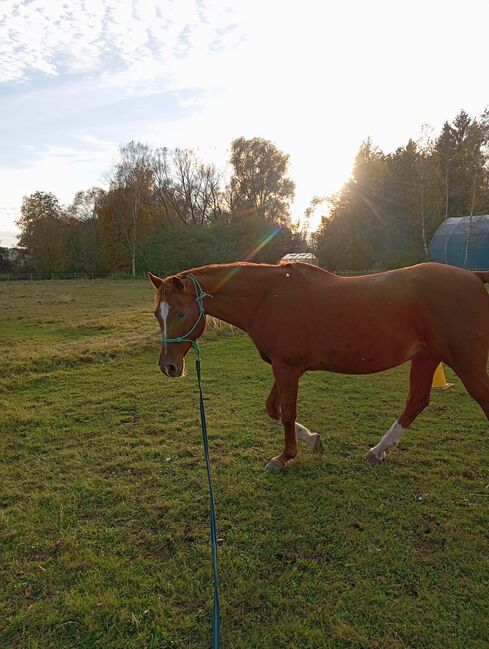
[(368, 359)]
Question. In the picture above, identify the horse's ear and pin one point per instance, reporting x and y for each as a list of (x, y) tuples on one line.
[(155, 280), (177, 283)]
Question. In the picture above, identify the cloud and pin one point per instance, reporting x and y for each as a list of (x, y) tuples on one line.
[(63, 169), (77, 77), (8, 238), (139, 40)]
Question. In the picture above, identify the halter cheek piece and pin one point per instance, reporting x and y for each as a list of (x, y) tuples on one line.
[(199, 296)]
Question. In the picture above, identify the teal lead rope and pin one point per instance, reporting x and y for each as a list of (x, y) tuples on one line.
[(216, 609), (200, 295)]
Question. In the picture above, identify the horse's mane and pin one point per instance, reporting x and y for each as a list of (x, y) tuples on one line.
[(294, 266), (229, 265)]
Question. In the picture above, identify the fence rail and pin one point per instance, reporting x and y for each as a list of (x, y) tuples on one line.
[(11, 277)]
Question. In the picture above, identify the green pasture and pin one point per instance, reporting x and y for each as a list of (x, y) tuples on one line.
[(104, 533)]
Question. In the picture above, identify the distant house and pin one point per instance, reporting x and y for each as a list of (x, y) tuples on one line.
[(13, 254), (459, 234), (306, 257), (16, 256)]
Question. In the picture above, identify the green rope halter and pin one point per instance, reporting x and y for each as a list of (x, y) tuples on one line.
[(199, 296)]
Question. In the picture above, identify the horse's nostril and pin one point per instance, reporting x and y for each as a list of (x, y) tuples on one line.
[(171, 369)]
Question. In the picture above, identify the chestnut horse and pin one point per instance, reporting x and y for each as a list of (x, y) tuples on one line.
[(302, 318)]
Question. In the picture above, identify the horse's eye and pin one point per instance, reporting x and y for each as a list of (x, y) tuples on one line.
[(181, 315)]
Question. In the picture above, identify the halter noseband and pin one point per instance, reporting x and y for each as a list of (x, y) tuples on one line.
[(199, 296)]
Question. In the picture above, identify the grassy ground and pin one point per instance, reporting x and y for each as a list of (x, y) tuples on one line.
[(104, 506)]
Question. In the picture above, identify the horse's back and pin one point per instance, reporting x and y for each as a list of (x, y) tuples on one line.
[(370, 322), (445, 308)]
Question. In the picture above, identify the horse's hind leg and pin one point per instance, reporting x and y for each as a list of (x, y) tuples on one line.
[(476, 382), (420, 379), (313, 440)]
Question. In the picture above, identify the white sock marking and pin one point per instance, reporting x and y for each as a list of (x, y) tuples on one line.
[(390, 439), (305, 434)]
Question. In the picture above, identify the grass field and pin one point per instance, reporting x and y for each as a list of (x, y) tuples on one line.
[(104, 535)]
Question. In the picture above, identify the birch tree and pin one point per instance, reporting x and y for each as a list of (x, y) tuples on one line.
[(133, 174)]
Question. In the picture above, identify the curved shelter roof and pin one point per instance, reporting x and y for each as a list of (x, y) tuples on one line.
[(301, 256), (450, 240)]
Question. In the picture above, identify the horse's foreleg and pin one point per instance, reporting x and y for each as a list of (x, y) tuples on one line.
[(313, 440), (287, 384), (420, 379), (273, 402)]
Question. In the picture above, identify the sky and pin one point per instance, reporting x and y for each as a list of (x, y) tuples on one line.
[(80, 77)]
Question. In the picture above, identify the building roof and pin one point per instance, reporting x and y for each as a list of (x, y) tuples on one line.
[(449, 242), (300, 256)]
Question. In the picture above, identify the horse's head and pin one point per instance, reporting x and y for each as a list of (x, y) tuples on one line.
[(179, 315)]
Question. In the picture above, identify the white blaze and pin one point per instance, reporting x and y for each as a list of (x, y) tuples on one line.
[(164, 309)]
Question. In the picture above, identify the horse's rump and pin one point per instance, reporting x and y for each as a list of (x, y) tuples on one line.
[(483, 275)]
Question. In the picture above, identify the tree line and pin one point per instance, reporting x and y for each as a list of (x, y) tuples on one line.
[(387, 212), (165, 210)]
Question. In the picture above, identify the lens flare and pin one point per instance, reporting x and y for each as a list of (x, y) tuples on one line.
[(232, 272)]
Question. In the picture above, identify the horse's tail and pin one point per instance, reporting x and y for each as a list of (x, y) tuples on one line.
[(483, 275)]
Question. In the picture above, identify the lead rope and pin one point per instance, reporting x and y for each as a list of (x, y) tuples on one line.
[(216, 618), (216, 608)]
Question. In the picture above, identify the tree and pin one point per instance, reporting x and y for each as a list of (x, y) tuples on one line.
[(405, 188), (184, 188), (483, 201), (84, 205), (311, 211), (430, 197), (133, 175), (35, 208), (445, 149), (42, 231), (466, 134), (115, 216), (461, 151), (259, 181), (84, 219), (476, 139), (5, 263), (476, 144), (372, 216)]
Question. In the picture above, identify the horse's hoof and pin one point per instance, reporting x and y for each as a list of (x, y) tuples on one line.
[(274, 467), (318, 444), (374, 456)]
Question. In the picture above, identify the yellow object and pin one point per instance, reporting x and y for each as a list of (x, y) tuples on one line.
[(439, 380)]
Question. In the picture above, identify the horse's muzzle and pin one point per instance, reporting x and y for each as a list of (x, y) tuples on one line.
[(171, 370)]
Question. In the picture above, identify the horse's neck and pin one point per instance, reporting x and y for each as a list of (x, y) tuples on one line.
[(236, 290)]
